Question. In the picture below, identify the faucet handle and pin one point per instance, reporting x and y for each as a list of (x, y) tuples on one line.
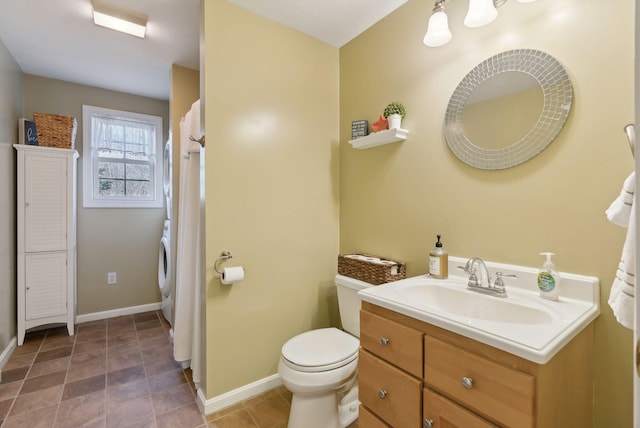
[(499, 281)]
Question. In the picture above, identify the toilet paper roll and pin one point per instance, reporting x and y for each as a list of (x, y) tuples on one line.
[(232, 274)]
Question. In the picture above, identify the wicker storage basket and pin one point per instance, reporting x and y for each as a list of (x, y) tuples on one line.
[(370, 271), (55, 130)]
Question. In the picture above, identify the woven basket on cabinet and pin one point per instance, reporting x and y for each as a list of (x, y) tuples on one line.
[(55, 130)]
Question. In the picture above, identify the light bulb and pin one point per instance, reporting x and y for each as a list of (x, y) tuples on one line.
[(438, 33), (481, 12)]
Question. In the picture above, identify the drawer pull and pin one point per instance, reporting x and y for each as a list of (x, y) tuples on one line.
[(467, 382), (382, 393), (384, 341), (428, 423)]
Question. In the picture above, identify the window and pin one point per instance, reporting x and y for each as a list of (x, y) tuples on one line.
[(122, 159)]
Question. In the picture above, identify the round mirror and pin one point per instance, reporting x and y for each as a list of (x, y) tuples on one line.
[(508, 109)]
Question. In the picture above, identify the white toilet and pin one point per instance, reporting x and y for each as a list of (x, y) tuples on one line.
[(320, 366)]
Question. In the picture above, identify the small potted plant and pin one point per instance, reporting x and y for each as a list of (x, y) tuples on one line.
[(394, 113)]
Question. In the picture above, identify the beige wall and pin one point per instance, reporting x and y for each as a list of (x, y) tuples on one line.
[(11, 86), (124, 241), (271, 190), (396, 198)]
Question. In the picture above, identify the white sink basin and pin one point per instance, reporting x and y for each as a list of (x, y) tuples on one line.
[(452, 299), (523, 323)]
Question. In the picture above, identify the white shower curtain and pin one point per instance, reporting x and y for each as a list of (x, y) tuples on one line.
[(186, 328)]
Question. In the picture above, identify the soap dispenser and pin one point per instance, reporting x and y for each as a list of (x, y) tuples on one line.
[(439, 261), (548, 279)]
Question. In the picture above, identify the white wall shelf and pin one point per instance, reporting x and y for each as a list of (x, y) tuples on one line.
[(379, 138)]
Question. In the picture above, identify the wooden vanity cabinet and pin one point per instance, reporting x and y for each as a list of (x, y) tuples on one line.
[(503, 390)]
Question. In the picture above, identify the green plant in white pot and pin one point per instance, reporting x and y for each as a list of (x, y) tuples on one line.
[(394, 113)]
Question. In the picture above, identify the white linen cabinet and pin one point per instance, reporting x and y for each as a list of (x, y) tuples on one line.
[(46, 217)]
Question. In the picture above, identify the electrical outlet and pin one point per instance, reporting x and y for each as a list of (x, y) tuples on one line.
[(111, 278)]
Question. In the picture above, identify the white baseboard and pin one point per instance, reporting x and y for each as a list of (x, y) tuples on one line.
[(95, 316), (237, 395), (6, 353)]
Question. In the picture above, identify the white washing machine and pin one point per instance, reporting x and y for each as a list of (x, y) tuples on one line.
[(166, 263), (165, 272)]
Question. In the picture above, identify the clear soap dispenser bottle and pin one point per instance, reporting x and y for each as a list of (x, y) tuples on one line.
[(548, 279), (439, 261)]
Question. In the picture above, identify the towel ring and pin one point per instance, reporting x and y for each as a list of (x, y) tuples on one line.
[(224, 256)]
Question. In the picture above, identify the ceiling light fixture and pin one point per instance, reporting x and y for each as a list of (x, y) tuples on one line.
[(480, 13), (119, 19)]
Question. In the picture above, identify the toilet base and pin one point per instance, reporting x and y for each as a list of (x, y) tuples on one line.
[(324, 410)]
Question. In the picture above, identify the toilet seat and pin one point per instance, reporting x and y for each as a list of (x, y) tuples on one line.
[(320, 350)]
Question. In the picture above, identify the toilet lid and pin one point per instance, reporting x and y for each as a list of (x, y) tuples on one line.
[(321, 349)]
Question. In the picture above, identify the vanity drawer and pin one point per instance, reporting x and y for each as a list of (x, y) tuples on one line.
[(445, 413), (396, 343), (499, 393), (366, 419), (390, 393)]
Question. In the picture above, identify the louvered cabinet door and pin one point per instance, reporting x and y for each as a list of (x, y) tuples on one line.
[(45, 204), (46, 285)]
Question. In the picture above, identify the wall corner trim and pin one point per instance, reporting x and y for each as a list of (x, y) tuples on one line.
[(95, 316), (6, 353), (237, 395)]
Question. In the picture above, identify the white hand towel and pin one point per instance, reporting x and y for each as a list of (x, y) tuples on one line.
[(619, 211), (622, 293)]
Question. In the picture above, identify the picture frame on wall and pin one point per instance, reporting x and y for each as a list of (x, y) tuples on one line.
[(27, 132)]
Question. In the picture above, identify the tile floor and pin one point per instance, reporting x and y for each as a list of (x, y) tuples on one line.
[(117, 372)]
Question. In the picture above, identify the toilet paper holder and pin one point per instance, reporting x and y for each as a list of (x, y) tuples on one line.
[(224, 256)]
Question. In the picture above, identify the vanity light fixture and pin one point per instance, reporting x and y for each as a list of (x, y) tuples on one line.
[(119, 19), (480, 13)]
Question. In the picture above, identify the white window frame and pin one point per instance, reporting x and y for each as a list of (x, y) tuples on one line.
[(91, 199)]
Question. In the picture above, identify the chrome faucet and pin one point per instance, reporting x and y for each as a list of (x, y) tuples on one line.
[(477, 283)]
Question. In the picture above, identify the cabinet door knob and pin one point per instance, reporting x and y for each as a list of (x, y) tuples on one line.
[(428, 423), (467, 382), (382, 393), (384, 341)]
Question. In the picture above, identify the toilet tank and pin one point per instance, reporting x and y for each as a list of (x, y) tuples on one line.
[(349, 302)]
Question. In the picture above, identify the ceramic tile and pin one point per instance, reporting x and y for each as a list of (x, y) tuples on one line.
[(86, 409), (36, 400), (165, 380), (127, 375), (82, 354), (238, 419), (79, 371), (172, 398), (270, 412), (127, 357), (128, 391), (53, 354), (122, 414), (82, 387), (28, 347), (17, 361), (42, 382), (9, 376), (47, 367), (184, 417), (9, 390), (146, 316), (40, 418), (5, 405), (57, 342), (161, 364)]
